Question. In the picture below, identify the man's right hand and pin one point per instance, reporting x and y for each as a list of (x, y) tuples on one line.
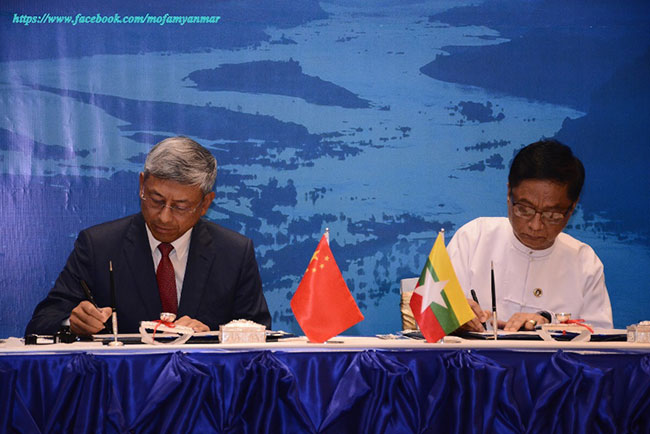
[(474, 325), (86, 319)]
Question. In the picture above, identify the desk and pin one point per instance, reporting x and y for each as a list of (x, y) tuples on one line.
[(360, 385)]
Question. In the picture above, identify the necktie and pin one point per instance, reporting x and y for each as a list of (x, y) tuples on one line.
[(166, 280)]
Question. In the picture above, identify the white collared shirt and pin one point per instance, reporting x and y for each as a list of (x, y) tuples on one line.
[(178, 257), (566, 277)]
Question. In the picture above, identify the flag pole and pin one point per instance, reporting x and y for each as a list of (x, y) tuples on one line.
[(327, 235), (494, 300)]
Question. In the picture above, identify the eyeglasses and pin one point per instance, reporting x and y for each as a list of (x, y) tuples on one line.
[(548, 217), (158, 205)]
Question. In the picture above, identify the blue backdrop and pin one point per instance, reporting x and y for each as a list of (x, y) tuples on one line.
[(382, 120)]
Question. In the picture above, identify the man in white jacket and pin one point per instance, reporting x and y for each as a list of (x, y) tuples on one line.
[(538, 269)]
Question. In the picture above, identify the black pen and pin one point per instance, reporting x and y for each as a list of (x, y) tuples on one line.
[(89, 295), (112, 283), (479, 304), (115, 342)]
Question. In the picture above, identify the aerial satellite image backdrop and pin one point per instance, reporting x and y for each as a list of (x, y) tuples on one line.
[(383, 121)]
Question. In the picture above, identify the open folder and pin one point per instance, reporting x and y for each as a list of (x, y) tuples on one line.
[(599, 336), (211, 337)]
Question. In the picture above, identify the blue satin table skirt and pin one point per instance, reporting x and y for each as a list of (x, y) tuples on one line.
[(371, 391)]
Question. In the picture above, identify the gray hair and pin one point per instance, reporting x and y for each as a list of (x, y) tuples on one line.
[(182, 160)]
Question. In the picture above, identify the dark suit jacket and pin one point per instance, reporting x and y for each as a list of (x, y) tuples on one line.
[(222, 280)]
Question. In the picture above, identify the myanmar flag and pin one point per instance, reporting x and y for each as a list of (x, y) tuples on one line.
[(438, 302), (323, 304)]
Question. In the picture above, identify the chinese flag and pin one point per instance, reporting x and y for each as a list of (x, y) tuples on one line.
[(322, 304)]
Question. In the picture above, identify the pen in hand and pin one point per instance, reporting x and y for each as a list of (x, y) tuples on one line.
[(476, 300), (89, 295)]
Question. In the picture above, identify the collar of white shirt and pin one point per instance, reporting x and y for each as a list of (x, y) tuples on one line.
[(181, 247), (521, 247)]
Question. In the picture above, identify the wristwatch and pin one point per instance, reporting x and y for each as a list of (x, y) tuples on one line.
[(546, 315)]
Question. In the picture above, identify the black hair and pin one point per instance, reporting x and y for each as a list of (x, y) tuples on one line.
[(548, 160)]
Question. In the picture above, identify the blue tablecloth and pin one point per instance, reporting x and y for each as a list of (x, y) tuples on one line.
[(372, 391)]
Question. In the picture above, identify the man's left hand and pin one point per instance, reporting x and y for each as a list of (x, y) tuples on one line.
[(524, 321), (194, 324)]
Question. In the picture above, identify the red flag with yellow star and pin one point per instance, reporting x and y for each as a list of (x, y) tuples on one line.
[(322, 303)]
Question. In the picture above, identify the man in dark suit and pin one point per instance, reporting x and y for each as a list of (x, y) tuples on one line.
[(165, 258)]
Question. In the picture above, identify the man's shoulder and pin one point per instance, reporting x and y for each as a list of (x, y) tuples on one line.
[(220, 233), (481, 233), (115, 226), (574, 246), (485, 226)]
